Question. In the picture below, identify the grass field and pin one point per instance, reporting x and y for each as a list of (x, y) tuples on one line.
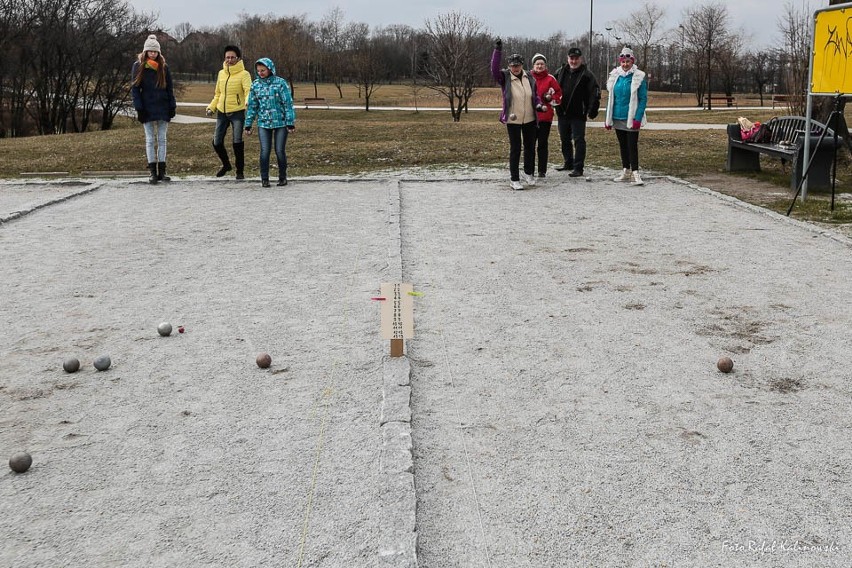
[(339, 142)]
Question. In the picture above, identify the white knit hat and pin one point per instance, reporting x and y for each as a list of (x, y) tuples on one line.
[(627, 52), (538, 56), (151, 44)]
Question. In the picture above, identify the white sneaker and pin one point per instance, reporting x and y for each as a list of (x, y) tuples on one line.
[(625, 176), (637, 180), (528, 179), (516, 185)]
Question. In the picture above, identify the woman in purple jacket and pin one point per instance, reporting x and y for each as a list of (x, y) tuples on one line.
[(520, 104)]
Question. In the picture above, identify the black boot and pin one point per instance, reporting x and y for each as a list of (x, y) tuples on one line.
[(282, 177), (240, 158), (152, 167), (161, 172), (223, 155)]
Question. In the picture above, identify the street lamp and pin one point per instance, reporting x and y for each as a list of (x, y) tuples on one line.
[(611, 33), (682, 47), (591, 11)]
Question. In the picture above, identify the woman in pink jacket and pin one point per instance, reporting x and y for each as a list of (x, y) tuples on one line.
[(550, 93)]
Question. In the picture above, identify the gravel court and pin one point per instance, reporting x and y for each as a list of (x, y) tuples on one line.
[(566, 408), (184, 452)]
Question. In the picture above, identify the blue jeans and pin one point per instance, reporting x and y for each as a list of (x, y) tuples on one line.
[(266, 136), (572, 133), (155, 140), (235, 120)]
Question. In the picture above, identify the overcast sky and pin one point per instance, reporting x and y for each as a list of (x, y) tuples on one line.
[(756, 18)]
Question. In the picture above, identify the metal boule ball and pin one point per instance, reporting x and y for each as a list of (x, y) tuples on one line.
[(725, 364), (588, 178), (264, 360), (102, 363), (71, 365), (164, 329), (20, 462)]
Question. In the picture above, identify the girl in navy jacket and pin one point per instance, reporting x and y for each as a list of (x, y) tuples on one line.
[(154, 101)]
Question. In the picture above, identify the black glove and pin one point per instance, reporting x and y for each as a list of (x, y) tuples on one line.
[(593, 114), (171, 113), (498, 44), (142, 116)]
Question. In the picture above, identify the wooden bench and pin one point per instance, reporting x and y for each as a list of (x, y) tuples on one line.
[(729, 101), (315, 102), (787, 144)]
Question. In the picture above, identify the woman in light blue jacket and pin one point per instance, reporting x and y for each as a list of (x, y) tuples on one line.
[(625, 111), (270, 103)]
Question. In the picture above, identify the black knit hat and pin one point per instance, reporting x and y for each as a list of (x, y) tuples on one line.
[(233, 48), (516, 59)]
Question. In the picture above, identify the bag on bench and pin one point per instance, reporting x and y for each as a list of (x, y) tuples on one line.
[(755, 132), (762, 135)]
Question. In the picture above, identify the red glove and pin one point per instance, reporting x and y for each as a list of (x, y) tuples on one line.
[(637, 125), (607, 126)]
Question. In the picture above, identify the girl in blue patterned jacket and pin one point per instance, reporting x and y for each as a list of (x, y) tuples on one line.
[(270, 103)]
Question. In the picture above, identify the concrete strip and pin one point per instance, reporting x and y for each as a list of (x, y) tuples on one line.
[(25, 198), (398, 539)]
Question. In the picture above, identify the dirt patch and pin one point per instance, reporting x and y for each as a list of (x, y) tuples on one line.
[(766, 194), (745, 189)]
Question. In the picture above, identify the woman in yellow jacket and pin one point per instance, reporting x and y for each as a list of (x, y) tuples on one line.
[(229, 104)]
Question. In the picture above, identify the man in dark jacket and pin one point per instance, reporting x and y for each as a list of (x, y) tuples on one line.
[(581, 98)]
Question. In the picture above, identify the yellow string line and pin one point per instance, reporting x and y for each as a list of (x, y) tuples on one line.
[(326, 397), (310, 506), (464, 442)]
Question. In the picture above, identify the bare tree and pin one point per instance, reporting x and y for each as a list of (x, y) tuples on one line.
[(368, 61), (705, 30), (15, 22), (330, 39), (644, 29), (760, 69), (794, 27), (457, 49), (729, 60), (284, 40), (182, 30)]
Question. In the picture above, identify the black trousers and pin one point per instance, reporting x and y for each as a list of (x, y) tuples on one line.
[(542, 147), (628, 144), (519, 133), (572, 133)]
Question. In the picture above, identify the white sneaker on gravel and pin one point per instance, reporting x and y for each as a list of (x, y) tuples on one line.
[(516, 185), (528, 179), (636, 179), (625, 176)]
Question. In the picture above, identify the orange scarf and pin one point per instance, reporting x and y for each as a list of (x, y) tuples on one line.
[(152, 64)]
